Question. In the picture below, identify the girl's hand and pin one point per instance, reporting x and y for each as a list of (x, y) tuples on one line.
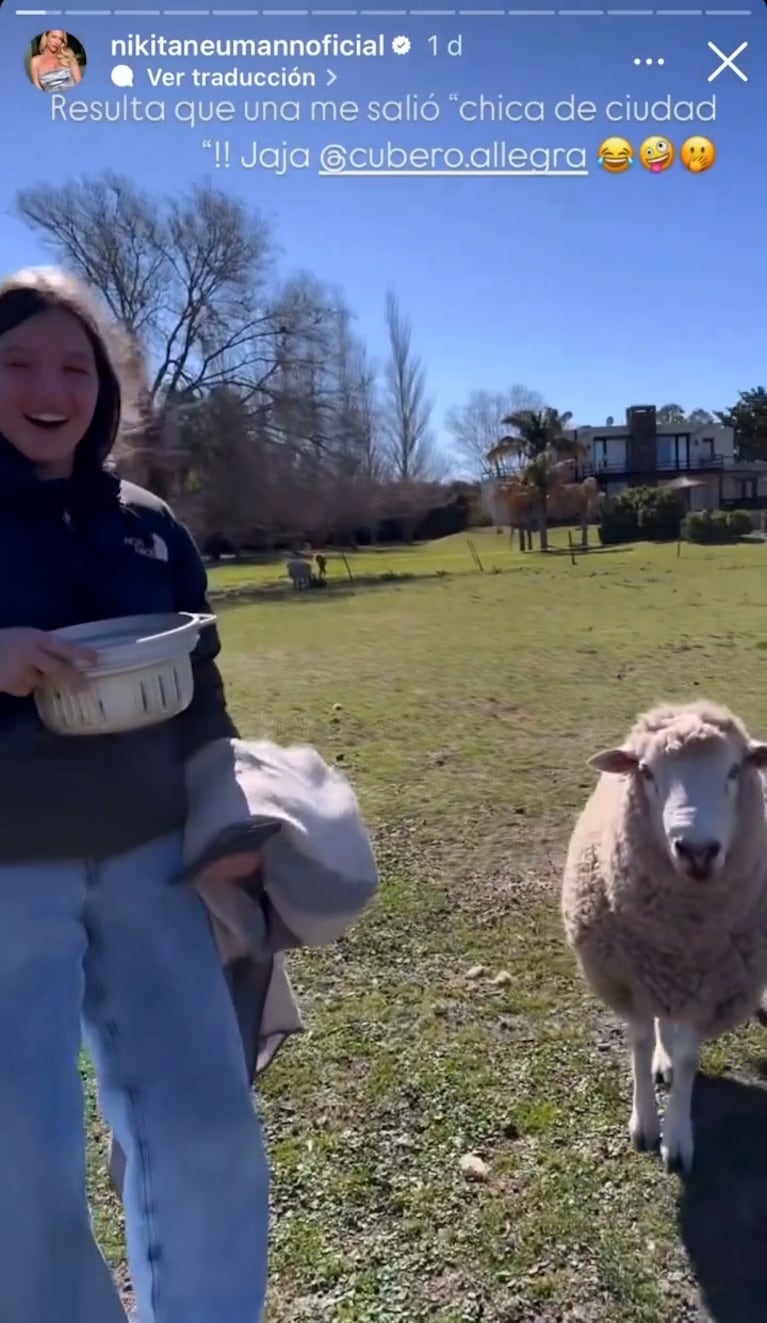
[(233, 867), (28, 657)]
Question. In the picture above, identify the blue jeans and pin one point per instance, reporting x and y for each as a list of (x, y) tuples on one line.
[(123, 950)]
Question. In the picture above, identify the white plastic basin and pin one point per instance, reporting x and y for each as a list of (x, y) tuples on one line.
[(143, 675)]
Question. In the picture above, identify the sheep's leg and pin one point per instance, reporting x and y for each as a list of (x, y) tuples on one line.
[(677, 1146), (644, 1126), (663, 1059)]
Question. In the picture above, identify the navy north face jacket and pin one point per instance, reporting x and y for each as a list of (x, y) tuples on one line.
[(73, 551)]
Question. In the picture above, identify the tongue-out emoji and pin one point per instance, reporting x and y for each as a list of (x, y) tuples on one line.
[(656, 155)]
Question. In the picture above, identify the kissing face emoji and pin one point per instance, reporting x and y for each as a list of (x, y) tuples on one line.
[(616, 155), (656, 154), (698, 154)]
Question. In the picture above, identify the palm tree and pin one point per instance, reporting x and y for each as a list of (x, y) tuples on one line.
[(540, 452)]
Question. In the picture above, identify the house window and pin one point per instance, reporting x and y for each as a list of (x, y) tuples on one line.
[(665, 450), (599, 453), (707, 445)]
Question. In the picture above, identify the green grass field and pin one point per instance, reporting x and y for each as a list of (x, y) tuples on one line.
[(451, 555), (463, 707)]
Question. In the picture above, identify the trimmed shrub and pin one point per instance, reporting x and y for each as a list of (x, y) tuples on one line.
[(740, 522), (618, 522), (711, 527), (660, 514), (651, 514)]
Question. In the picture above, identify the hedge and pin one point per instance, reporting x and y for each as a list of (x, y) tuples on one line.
[(649, 514), (709, 526)]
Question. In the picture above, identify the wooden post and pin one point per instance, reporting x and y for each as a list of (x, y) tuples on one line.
[(573, 560), (475, 555), (346, 563)]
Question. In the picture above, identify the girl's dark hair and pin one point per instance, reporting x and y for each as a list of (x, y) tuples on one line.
[(40, 289)]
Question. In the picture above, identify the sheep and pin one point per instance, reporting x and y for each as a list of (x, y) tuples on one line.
[(664, 900), (300, 572)]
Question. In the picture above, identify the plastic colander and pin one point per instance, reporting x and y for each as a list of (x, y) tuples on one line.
[(143, 675)]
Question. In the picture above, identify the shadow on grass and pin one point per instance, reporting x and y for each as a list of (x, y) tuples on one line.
[(332, 554), (722, 1211), (589, 551), (280, 591)]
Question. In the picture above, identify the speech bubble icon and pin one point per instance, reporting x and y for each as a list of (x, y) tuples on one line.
[(122, 75)]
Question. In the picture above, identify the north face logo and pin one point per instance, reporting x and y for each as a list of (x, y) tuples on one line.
[(153, 547)]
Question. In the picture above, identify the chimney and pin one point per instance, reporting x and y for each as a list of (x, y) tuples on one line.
[(641, 446)]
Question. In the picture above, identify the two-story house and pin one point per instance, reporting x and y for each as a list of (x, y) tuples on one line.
[(642, 452)]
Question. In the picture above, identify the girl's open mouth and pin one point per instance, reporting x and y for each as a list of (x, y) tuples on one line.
[(49, 422)]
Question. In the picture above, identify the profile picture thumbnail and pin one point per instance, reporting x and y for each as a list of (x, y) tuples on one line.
[(55, 61)]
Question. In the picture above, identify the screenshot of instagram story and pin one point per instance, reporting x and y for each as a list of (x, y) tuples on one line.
[(381, 407)]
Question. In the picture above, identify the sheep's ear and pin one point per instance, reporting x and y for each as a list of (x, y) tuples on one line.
[(757, 754), (618, 761)]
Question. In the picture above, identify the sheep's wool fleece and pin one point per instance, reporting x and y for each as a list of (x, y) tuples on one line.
[(650, 942)]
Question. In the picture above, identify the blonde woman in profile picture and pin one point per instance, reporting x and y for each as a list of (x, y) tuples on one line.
[(55, 68)]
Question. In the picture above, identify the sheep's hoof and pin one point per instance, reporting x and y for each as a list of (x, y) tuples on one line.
[(645, 1143), (645, 1138), (672, 1164), (677, 1157)]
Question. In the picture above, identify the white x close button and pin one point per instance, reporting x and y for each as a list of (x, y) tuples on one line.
[(728, 62)]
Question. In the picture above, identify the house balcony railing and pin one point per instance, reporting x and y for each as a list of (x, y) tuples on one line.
[(744, 503), (700, 464), (622, 468)]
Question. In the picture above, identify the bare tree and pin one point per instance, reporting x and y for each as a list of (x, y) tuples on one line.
[(357, 451), (305, 391), (364, 405), (187, 276), (321, 415), (192, 278), (222, 477), (476, 425), (406, 409), (260, 412)]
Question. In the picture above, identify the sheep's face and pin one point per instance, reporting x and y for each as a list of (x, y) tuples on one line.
[(691, 795)]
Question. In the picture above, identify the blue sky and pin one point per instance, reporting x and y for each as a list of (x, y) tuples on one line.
[(598, 292)]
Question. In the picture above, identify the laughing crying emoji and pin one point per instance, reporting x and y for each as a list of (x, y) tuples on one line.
[(616, 155), (656, 155)]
